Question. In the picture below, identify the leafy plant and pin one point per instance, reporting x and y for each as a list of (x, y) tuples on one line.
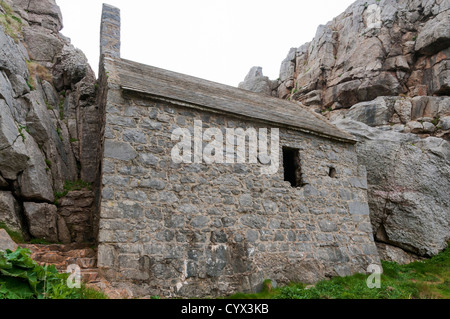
[(22, 278), (21, 130)]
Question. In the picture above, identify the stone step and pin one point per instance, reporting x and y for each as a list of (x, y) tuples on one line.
[(89, 276), (86, 263)]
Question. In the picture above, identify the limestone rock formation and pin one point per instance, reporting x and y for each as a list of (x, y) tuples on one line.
[(255, 81), (375, 48), (381, 70), (49, 123)]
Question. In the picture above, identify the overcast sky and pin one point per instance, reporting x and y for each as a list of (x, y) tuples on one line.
[(218, 40)]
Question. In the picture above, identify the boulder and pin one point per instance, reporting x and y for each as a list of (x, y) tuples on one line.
[(408, 183), (42, 220), (70, 68), (395, 254), (374, 113), (255, 81), (10, 212), (42, 46), (6, 242), (434, 35)]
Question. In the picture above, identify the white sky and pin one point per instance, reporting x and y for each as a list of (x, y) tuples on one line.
[(217, 40)]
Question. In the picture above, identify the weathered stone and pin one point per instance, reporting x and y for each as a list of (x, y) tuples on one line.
[(328, 226), (367, 52), (12, 58), (374, 113), (10, 212), (357, 208), (408, 178), (6, 242), (63, 231), (42, 221), (444, 123), (42, 46), (34, 182), (45, 13), (434, 35), (395, 254), (71, 67), (255, 81), (119, 150), (403, 109), (13, 154)]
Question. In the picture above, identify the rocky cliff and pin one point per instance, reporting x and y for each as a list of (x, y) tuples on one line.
[(49, 127), (381, 70)]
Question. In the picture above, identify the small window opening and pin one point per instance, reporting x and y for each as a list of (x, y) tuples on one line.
[(292, 167), (332, 172)]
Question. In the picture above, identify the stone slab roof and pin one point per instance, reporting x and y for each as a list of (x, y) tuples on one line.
[(215, 97)]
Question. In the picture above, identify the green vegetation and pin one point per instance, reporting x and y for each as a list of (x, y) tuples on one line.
[(40, 241), (71, 186), (15, 236), (62, 101), (30, 83), (436, 121), (49, 106), (21, 130), (22, 278), (59, 132), (12, 25), (429, 279)]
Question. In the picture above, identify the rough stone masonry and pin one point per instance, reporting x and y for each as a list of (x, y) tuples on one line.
[(195, 230)]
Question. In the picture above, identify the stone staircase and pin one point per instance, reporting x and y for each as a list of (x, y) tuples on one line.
[(62, 256), (85, 257)]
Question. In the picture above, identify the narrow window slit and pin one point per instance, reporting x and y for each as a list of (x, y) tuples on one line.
[(292, 167), (332, 172)]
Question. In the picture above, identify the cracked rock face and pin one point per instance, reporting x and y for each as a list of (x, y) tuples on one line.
[(48, 120), (408, 183), (375, 48)]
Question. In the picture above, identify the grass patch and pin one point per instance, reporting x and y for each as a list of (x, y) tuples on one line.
[(12, 25), (70, 186), (429, 279), (38, 70)]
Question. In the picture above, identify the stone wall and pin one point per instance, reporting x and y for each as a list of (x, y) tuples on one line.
[(196, 230)]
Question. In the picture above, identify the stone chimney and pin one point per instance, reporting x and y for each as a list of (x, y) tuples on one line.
[(110, 32)]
